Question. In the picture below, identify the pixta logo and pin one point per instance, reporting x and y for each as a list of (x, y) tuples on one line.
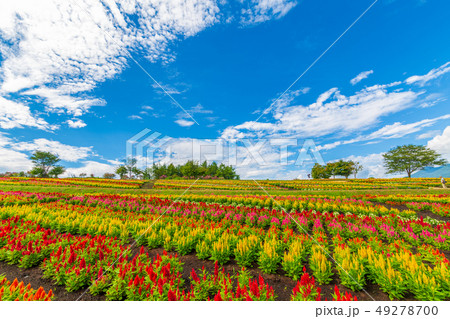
[(149, 147)]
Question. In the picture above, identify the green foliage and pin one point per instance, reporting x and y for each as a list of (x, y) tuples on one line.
[(192, 169), (45, 165), (56, 171), (121, 171), (411, 158), (319, 171), (109, 175), (339, 168), (356, 168)]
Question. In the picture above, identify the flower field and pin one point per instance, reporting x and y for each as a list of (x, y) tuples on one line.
[(232, 185), (226, 247), (84, 182), (340, 184)]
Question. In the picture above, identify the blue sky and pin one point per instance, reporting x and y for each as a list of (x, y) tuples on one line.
[(72, 80)]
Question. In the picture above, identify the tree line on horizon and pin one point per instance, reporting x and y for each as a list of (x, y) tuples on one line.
[(333, 169), (191, 169), (406, 158)]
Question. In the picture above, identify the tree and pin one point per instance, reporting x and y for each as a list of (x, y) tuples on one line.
[(109, 175), (411, 158), (137, 173), (147, 173), (342, 168), (56, 171), (121, 171), (212, 169), (172, 171), (44, 163), (356, 168), (130, 165), (332, 168), (190, 169), (318, 171)]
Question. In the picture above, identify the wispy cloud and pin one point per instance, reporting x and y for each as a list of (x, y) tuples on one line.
[(421, 80), (338, 114), (395, 130), (135, 117), (360, 77), (18, 115), (184, 123), (257, 11), (332, 112), (59, 54), (428, 135)]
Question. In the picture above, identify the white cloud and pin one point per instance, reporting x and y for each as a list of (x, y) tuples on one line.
[(335, 113), (258, 11), (395, 130), (76, 123), (17, 115), (398, 129), (184, 123), (360, 77), (372, 165), (59, 101), (441, 143), (421, 80), (56, 52), (53, 51), (11, 160), (427, 135), (185, 118), (66, 152), (252, 159), (90, 167), (135, 117), (331, 113)]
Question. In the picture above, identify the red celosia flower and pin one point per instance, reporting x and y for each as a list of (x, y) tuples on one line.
[(194, 275), (171, 295), (218, 297)]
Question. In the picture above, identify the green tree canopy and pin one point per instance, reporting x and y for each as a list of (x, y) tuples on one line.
[(411, 158), (45, 164), (356, 168), (320, 171), (192, 169), (121, 171), (109, 175), (342, 168)]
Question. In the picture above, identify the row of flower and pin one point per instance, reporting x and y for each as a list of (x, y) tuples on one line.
[(17, 291), (298, 203), (103, 266), (367, 183), (437, 204), (85, 182), (213, 184), (327, 184), (393, 267), (121, 216)]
